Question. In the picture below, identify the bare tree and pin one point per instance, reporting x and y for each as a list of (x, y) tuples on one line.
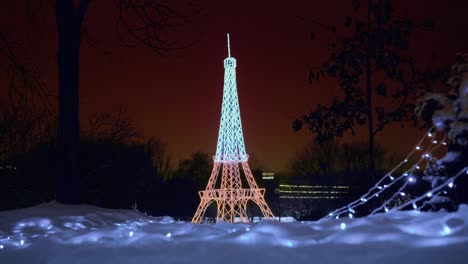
[(26, 119), (161, 159), (119, 129), (115, 126), (316, 160), (145, 22)]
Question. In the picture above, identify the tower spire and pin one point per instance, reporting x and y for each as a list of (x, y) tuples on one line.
[(230, 197), (229, 46)]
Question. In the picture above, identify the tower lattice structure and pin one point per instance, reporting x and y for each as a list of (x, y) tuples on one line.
[(230, 197)]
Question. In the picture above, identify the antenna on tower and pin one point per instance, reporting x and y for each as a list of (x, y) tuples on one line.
[(229, 46)]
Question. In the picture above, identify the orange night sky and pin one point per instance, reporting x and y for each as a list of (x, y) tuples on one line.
[(177, 98)]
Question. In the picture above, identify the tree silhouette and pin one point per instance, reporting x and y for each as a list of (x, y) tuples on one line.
[(370, 64), (181, 191), (25, 114), (144, 22), (335, 163)]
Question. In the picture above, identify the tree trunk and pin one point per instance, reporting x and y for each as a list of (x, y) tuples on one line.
[(68, 22), (369, 96)]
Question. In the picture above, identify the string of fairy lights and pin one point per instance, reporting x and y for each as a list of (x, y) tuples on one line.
[(425, 150)]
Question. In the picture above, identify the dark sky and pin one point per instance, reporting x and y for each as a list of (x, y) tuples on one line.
[(178, 97)]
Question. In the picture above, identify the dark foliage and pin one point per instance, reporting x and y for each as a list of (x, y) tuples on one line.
[(447, 112), (116, 175), (179, 197), (113, 175), (27, 179), (369, 64)]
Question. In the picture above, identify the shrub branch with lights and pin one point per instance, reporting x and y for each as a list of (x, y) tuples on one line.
[(439, 158)]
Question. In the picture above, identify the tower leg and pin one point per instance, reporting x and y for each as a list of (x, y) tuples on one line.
[(267, 213), (201, 211), (243, 211), (249, 176), (204, 203), (213, 177), (259, 197), (222, 212)]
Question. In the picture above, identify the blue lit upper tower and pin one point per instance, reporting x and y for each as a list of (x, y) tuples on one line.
[(230, 147)]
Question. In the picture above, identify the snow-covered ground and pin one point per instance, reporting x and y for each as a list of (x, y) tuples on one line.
[(54, 233)]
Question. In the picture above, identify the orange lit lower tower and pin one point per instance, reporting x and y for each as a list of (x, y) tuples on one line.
[(230, 198)]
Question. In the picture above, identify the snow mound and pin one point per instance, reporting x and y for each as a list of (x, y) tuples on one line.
[(55, 233)]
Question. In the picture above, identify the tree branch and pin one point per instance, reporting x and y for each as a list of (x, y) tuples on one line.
[(387, 119), (148, 23), (81, 11)]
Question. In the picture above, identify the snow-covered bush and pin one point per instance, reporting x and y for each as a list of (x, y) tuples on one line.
[(449, 113)]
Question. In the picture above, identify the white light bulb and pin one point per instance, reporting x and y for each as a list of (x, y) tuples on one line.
[(450, 185), (415, 206), (402, 194), (247, 229), (170, 235), (336, 217), (434, 142), (405, 160), (429, 134), (379, 187), (405, 174), (343, 226), (391, 177), (350, 215), (411, 179), (22, 242), (1, 246), (376, 195), (429, 194), (386, 209), (130, 234), (363, 199), (418, 147), (444, 143), (417, 167)]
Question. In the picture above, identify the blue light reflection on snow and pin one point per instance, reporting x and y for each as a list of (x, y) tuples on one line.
[(125, 228), (446, 230), (288, 244), (343, 226)]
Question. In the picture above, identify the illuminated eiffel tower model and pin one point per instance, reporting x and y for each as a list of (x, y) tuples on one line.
[(230, 198)]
